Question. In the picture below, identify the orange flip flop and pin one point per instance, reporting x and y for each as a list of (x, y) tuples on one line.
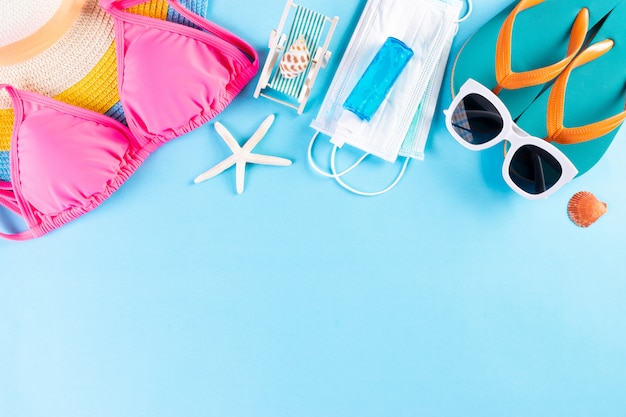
[(525, 46), (582, 111)]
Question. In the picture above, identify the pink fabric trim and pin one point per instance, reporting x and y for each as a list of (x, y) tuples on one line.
[(37, 222)]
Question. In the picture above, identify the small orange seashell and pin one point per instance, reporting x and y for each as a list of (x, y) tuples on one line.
[(584, 208)]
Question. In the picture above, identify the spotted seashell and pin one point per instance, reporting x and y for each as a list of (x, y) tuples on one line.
[(584, 208), (295, 60)]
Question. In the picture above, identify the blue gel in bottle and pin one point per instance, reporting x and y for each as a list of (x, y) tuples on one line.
[(380, 75)]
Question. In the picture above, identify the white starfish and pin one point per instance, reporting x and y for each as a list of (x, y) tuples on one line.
[(242, 154)]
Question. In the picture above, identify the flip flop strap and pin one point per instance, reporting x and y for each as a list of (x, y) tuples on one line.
[(510, 80), (557, 132)]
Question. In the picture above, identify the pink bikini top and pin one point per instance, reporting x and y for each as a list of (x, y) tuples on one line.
[(65, 160)]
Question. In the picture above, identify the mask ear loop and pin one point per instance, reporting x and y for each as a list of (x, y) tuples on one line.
[(364, 193), (337, 176), (470, 7), (326, 174)]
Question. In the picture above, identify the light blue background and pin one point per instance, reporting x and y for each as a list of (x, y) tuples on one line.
[(448, 296)]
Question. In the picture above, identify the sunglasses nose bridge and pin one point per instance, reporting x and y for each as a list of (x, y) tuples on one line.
[(519, 131), (516, 134)]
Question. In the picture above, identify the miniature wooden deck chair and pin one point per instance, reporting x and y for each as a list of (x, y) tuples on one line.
[(294, 92)]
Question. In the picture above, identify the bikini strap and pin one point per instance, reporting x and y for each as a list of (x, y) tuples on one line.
[(27, 235), (8, 200), (7, 196), (214, 29), (116, 6)]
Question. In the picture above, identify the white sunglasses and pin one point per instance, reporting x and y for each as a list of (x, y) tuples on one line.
[(532, 167)]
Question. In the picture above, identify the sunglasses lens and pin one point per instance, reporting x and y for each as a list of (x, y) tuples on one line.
[(534, 170), (476, 120)]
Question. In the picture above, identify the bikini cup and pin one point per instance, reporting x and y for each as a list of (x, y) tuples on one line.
[(173, 78), (65, 161)]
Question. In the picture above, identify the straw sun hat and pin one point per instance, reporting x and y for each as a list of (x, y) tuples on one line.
[(64, 49)]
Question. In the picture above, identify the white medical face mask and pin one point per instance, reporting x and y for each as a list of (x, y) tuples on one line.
[(401, 124), (415, 140)]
